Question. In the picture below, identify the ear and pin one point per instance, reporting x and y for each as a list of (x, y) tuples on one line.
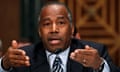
[(73, 29), (39, 32)]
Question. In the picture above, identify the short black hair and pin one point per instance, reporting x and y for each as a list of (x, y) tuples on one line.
[(57, 3)]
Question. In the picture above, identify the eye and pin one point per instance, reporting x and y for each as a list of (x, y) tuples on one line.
[(46, 24), (62, 22)]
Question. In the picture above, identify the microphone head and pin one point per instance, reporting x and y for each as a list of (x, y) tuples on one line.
[(57, 51)]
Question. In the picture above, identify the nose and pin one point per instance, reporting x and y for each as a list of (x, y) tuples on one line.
[(54, 28)]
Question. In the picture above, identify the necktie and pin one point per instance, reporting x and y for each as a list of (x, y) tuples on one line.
[(57, 65)]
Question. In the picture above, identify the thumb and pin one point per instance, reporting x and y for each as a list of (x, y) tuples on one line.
[(14, 44), (87, 47)]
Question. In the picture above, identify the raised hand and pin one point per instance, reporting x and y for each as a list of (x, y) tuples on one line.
[(15, 57), (88, 57)]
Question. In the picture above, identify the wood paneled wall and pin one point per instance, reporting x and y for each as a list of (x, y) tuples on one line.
[(9, 21), (99, 21)]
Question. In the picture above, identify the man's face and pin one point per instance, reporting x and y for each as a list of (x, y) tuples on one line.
[(55, 28)]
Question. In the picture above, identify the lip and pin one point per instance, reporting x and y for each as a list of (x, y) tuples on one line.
[(54, 41)]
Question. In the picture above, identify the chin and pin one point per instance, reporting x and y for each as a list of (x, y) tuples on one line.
[(53, 48)]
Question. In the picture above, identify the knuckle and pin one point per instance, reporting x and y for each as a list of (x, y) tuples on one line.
[(95, 52)]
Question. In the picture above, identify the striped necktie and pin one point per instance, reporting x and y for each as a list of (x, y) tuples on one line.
[(57, 65)]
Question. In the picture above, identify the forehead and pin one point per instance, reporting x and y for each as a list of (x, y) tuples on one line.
[(53, 10)]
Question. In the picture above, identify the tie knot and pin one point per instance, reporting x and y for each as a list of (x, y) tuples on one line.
[(57, 59)]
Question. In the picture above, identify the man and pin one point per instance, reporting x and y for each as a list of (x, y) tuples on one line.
[(57, 51)]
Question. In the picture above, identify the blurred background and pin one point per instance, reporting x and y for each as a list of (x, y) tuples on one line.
[(95, 20)]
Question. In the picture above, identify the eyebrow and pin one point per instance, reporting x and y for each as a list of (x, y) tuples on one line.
[(45, 19), (61, 17)]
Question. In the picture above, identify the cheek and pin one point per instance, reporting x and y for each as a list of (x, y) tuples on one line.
[(43, 33), (67, 32)]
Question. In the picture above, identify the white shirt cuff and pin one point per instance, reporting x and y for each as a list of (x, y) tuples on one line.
[(1, 69)]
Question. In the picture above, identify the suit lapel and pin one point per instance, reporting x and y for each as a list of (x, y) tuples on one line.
[(40, 65), (73, 66), (39, 60)]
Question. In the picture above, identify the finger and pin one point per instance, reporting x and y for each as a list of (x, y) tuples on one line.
[(27, 58), (14, 44), (82, 52), (88, 50), (17, 52), (85, 65), (79, 51), (72, 55), (75, 53), (76, 56), (87, 47), (19, 57), (18, 63), (27, 62)]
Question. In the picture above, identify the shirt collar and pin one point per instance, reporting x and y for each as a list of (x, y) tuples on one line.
[(63, 55)]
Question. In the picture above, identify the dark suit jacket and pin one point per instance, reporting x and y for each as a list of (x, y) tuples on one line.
[(39, 61)]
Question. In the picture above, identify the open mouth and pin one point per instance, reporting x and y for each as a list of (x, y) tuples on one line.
[(54, 41)]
